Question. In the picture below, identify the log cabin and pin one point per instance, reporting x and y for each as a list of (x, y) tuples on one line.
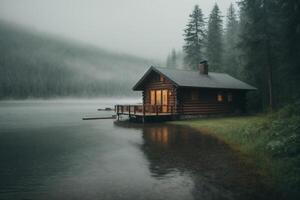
[(187, 93)]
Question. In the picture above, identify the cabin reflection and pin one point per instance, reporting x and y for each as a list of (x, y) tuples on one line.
[(166, 135), (216, 170), (159, 135), (212, 165)]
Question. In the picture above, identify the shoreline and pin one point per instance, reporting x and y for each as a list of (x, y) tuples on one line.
[(250, 136)]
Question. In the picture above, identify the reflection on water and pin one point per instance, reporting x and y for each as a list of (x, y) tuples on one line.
[(48, 152), (158, 135), (216, 170)]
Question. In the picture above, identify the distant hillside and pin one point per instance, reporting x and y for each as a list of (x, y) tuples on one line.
[(38, 65)]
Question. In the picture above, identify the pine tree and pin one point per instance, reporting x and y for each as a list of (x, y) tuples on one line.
[(168, 61), (194, 39), (231, 51), (289, 70), (214, 39), (172, 59), (258, 43)]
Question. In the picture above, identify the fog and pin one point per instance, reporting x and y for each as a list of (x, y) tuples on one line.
[(64, 48), (140, 27)]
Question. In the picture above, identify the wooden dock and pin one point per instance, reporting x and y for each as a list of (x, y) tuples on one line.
[(144, 112), (94, 118)]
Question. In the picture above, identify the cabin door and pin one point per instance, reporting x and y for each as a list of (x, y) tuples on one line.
[(158, 97), (165, 100)]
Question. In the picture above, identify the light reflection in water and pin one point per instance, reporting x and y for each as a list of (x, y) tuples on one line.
[(216, 170), (159, 135)]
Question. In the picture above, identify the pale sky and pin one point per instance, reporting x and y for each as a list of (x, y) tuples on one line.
[(146, 28)]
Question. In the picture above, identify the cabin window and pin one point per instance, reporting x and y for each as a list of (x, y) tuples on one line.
[(220, 98), (195, 95), (165, 97), (158, 97), (161, 78), (165, 100), (229, 97)]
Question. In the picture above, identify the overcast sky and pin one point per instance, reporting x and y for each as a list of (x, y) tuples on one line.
[(147, 28)]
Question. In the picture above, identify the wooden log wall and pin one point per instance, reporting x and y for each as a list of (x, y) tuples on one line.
[(154, 82), (205, 101), (194, 101)]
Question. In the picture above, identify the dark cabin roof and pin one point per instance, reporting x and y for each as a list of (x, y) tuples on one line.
[(192, 78)]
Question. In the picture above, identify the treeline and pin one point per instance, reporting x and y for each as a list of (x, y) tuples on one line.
[(35, 65), (175, 59), (258, 43)]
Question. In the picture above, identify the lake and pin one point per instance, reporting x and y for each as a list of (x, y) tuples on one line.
[(48, 152)]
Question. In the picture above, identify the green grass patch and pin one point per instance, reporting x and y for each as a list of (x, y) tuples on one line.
[(271, 142)]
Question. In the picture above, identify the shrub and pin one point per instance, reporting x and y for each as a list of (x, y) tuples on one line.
[(285, 131)]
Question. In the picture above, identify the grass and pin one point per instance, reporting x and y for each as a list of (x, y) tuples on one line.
[(229, 130), (270, 142)]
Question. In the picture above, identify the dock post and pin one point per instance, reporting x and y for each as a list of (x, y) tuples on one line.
[(129, 111), (117, 106), (143, 119)]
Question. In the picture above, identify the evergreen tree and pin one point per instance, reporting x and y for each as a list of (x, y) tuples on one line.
[(214, 39), (259, 39), (172, 59), (288, 71), (168, 61), (194, 39), (231, 51)]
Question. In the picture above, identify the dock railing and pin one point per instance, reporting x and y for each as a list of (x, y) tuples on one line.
[(144, 110)]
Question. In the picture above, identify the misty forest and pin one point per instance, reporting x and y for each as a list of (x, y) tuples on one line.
[(258, 42), (35, 65), (249, 153)]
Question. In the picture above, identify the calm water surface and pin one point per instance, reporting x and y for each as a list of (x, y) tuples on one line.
[(48, 152)]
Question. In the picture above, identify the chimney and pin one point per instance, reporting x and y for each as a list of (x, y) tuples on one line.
[(203, 67)]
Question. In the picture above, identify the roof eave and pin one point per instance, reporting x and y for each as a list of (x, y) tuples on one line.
[(174, 83), (136, 86), (152, 68), (248, 89)]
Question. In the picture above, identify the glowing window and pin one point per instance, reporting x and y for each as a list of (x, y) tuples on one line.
[(152, 97), (158, 97), (220, 97)]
